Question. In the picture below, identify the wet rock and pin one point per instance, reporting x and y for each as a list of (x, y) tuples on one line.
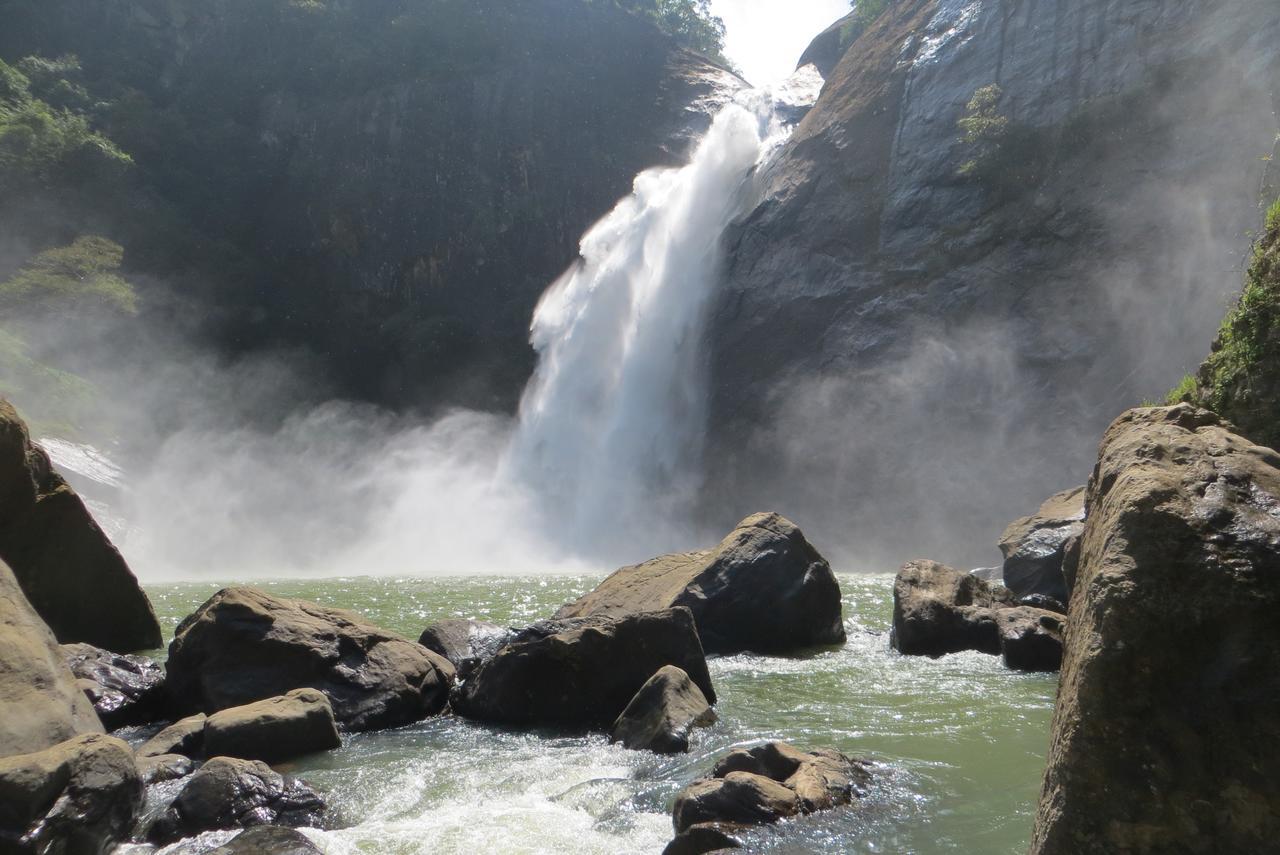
[(158, 768), (244, 645), (80, 796), (702, 838), (994, 575), (71, 573), (277, 729), (465, 643), (40, 703), (1031, 639), (582, 672), (1034, 546), (939, 610), (763, 588), (1040, 601), (661, 715), (124, 689), (229, 792), (185, 736), (1164, 734), (268, 840), (773, 781)]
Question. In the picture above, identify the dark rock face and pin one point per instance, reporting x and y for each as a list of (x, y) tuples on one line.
[(828, 47), (581, 672), (231, 793), (938, 610), (71, 573), (40, 703), (244, 645), (1169, 684), (1030, 638), (185, 737), (955, 320), (764, 588), (661, 715), (124, 689), (1033, 547), (770, 782), (80, 796), (277, 729), (268, 840), (465, 643)]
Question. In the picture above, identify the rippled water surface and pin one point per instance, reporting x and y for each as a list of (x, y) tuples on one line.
[(960, 742)]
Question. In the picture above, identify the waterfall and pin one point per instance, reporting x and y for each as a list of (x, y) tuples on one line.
[(612, 423)]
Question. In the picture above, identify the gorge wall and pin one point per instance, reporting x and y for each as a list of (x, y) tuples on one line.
[(917, 337)]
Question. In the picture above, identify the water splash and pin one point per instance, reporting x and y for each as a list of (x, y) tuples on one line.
[(612, 423)]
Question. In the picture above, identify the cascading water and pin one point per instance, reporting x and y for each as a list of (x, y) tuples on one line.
[(611, 424)]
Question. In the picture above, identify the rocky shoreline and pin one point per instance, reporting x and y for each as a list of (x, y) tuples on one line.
[(1177, 530)]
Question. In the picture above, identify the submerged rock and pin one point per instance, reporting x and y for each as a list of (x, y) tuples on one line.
[(268, 840), (773, 781), (661, 715), (1165, 734), (80, 796), (185, 737), (124, 689), (582, 672), (465, 643), (764, 588), (938, 610), (702, 838), (228, 793), (73, 576), (40, 703), (1034, 546), (244, 645), (277, 729)]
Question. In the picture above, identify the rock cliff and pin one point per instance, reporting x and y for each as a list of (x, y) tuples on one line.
[(972, 303)]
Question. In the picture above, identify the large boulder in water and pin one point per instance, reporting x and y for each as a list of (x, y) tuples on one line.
[(938, 610), (583, 671), (185, 737), (274, 730), (1033, 547), (231, 793), (661, 715), (74, 577), (465, 643), (244, 645), (1030, 638), (80, 796), (124, 689), (41, 704), (1165, 735), (764, 588)]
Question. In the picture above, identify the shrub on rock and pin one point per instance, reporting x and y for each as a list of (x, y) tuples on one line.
[(763, 588), (245, 645)]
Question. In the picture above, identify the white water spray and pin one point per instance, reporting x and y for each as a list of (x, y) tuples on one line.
[(612, 423)]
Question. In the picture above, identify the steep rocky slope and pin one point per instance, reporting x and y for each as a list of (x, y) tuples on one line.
[(971, 304), (391, 184)]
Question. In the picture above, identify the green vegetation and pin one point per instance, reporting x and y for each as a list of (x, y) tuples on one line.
[(70, 281), (1241, 378), (984, 128), (865, 12), (690, 22)]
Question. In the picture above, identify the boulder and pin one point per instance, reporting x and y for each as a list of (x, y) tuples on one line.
[(661, 715), (1033, 547), (124, 689), (74, 577), (277, 729), (767, 783), (465, 643), (158, 768), (40, 703), (582, 672), (702, 838), (245, 645), (1040, 601), (185, 737), (938, 610), (1030, 639), (79, 796), (1165, 736), (764, 588), (230, 793), (268, 840)]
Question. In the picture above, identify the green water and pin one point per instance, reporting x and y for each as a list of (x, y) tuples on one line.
[(960, 742)]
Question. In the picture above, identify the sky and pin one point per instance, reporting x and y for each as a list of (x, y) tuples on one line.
[(765, 37)]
